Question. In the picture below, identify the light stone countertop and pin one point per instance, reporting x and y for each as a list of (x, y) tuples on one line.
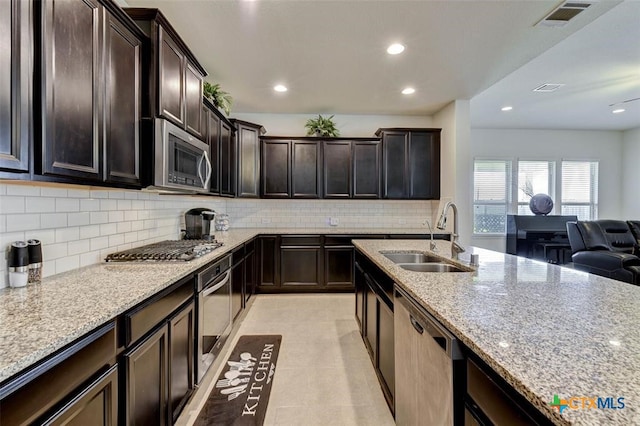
[(37, 320), (546, 329)]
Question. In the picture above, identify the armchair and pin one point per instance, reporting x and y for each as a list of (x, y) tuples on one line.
[(605, 247)]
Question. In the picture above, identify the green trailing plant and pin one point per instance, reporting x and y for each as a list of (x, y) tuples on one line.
[(219, 97), (322, 126)]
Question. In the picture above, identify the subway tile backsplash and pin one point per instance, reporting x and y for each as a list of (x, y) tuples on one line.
[(80, 226)]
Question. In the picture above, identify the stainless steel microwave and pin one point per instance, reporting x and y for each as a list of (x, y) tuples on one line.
[(181, 160)]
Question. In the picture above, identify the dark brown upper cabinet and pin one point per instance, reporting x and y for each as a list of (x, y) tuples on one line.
[(16, 76), (175, 76), (410, 163), (305, 169), (291, 168), (276, 169), (219, 135), (90, 76), (248, 142), (351, 168)]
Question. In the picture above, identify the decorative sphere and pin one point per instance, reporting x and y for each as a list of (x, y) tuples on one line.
[(541, 204)]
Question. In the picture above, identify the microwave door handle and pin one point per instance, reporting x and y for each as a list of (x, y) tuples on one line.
[(205, 157), (217, 286), (200, 167)]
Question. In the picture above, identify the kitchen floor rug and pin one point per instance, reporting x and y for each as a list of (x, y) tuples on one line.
[(242, 390)]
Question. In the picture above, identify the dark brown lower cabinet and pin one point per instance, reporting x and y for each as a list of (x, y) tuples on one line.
[(338, 263), (96, 405), (386, 358), (371, 319), (250, 272), (146, 370), (237, 282), (181, 358), (360, 292), (300, 266)]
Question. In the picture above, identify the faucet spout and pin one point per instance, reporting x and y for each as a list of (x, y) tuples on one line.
[(432, 244), (456, 248)]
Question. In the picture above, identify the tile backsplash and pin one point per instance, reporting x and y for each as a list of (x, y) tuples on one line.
[(79, 225)]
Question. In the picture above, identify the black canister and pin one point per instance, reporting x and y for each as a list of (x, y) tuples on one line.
[(35, 260), (18, 264)]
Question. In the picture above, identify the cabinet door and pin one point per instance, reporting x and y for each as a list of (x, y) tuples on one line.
[(337, 169), (250, 276), (227, 160), (96, 405), (305, 169), (394, 169), (71, 84), (237, 284), (181, 358), (268, 262), (146, 367), (213, 135), (171, 65), (386, 359), (248, 161), (193, 101), (338, 263), (16, 74), (276, 166), (123, 103), (424, 165), (360, 292), (371, 321), (366, 169), (301, 266)]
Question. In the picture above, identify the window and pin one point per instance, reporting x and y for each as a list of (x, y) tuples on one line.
[(580, 189), (534, 177), (491, 195)]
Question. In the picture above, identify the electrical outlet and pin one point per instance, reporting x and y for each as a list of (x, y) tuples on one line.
[(333, 221), (402, 221), (266, 220)]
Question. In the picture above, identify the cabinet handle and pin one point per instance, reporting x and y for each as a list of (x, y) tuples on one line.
[(416, 324)]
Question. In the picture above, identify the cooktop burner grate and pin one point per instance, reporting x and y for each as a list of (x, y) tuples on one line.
[(166, 251)]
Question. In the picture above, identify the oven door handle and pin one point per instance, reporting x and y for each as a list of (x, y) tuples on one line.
[(207, 291)]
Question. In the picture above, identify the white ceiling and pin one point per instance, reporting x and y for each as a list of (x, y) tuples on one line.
[(331, 55)]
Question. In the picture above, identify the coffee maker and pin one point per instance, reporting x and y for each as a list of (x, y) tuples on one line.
[(198, 223)]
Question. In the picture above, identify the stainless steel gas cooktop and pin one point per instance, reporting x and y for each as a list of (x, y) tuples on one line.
[(166, 251)]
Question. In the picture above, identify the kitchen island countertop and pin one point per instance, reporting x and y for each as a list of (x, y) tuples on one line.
[(547, 330)]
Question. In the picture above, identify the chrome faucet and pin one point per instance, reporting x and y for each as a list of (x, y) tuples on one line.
[(432, 245), (456, 248)]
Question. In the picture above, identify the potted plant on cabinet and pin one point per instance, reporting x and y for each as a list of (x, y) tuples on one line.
[(219, 97), (324, 127)]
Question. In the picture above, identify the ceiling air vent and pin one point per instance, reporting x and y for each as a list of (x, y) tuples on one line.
[(563, 14), (548, 87)]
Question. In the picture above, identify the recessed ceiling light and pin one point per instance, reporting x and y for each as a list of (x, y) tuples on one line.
[(408, 91), (618, 111), (507, 108), (280, 88), (395, 49)]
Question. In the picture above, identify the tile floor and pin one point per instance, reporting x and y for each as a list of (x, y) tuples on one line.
[(324, 375)]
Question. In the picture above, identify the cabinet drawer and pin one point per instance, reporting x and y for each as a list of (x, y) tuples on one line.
[(338, 240), (30, 395), (142, 319), (300, 240), (492, 400), (237, 255), (250, 246)]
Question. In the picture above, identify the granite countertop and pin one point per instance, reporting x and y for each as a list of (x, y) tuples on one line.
[(37, 320), (547, 330)]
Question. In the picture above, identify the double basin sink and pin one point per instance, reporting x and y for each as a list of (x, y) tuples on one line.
[(421, 262)]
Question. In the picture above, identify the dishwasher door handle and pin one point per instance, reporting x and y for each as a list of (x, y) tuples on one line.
[(416, 324)]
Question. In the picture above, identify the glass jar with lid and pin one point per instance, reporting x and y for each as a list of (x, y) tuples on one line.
[(222, 222)]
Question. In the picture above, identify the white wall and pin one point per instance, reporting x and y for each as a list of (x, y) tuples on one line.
[(348, 125), (631, 174), (604, 146), (455, 163)]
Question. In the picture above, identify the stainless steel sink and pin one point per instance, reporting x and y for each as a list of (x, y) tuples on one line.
[(408, 257), (430, 267)]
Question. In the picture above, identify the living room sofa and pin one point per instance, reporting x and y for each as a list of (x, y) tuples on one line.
[(610, 248)]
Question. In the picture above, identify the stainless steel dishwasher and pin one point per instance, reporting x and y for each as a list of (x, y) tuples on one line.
[(429, 368)]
